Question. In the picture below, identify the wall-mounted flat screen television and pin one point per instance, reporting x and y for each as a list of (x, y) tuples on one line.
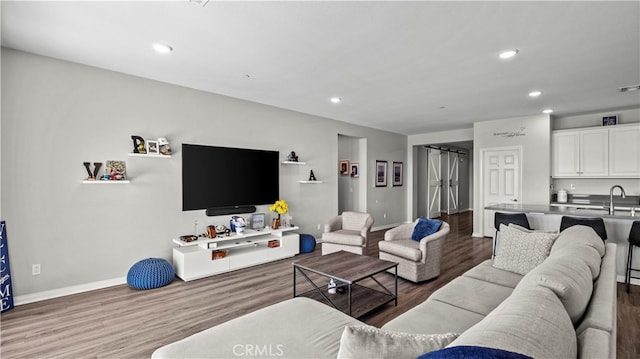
[(214, 177)]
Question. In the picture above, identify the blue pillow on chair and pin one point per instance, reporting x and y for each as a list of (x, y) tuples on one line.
[(425, 227), (467, 351)]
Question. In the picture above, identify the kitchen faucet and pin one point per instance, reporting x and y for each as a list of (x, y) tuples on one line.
[(622, 194)]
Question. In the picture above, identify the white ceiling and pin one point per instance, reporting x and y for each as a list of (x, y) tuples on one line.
[(405, 67)]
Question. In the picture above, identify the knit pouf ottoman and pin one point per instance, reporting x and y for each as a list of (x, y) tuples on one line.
[(150, 273), (307, 243)]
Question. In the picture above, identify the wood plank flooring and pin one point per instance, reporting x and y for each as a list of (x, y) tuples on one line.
[(120, 322)]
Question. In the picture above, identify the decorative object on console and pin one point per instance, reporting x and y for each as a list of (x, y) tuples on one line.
[(343, 167), (381, 173), (609, 120), (237, 224), (292, 157), (218, 254), (152, 147), (163, 146), (257, 221), (273, 243), (188, 238), (397, 174), (138, 144), (312, 177), (211, 232), (117, 170), (222, 231), (280, 207), (355, 171)]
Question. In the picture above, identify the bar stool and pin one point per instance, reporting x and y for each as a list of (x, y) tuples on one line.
[(506, 218), (634, 240), (596, 223)]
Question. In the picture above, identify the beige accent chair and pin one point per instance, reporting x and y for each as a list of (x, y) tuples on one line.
[(347, 232), (417, 261)]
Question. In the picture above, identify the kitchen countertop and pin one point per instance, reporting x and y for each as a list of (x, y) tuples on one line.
[(565, 209)]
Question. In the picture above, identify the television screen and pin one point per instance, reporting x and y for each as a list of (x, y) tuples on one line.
[(226, 177)]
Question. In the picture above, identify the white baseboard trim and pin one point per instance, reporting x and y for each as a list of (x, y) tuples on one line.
[(61, 292), (477, 235), (620, 279)]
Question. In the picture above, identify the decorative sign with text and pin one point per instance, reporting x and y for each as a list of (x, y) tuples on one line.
[(6, 291), (517, 133)]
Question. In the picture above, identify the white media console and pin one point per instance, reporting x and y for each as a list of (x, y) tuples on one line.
[(208, 256)]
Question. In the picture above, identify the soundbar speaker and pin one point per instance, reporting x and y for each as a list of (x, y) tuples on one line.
[(221, 211)]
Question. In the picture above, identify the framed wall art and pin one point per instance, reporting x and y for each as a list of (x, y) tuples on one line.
[(609, 120), (355, 170), (381, 173), (397, 174), (152, 147), (343, 167), (257, 221)]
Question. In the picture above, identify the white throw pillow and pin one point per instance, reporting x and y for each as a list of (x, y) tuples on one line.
[(520, 251), (367, 342)]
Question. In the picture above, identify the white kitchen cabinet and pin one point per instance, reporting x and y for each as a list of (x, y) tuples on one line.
[(580, 153), (624, 151)]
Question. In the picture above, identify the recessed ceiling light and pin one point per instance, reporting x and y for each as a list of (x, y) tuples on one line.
[(547, 110), (535, 93), (162, 48), (507, 54), (336, 100)]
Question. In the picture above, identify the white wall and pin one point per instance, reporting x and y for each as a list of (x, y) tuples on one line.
[(56, 115), (592, 119), (534, 138)]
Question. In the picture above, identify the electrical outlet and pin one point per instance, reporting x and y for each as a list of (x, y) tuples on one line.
[(572, 186), (318, 226), (35, 269), (384, 215)]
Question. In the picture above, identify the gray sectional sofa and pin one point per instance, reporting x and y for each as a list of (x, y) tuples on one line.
[(564, 307)]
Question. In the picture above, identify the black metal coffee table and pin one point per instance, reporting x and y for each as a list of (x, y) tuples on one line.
[(346, 269)]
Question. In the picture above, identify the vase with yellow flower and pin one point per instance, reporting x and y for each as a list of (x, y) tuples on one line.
[(280, 207)]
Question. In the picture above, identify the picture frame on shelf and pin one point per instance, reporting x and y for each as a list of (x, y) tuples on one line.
[(397, 174), (355, 170), (609, 120), (381, 173), (152, 147), (343, 167), (116, 171), (257, 221)]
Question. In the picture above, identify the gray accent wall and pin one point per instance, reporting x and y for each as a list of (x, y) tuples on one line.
[(57, 114)]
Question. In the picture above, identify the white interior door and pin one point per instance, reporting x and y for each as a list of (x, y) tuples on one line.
[(452, 178), (434, 178), (501, 181)]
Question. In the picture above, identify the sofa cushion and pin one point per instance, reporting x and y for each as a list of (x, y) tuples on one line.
[(425, 227), (432, 316), (583, 234), (568, 277), (485, 271), (277, 329), (520, 251), (344, 236), (354, 221), (467, 351), (471, 294), (405, 248), (601, 313), (364, 341), (532, 321), (588, 254)]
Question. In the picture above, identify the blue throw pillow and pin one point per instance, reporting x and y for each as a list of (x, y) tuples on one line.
[(425, 227), (467, 351)]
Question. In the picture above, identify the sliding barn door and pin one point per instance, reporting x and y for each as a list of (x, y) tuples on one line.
[(452, 180), (434, 178)]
